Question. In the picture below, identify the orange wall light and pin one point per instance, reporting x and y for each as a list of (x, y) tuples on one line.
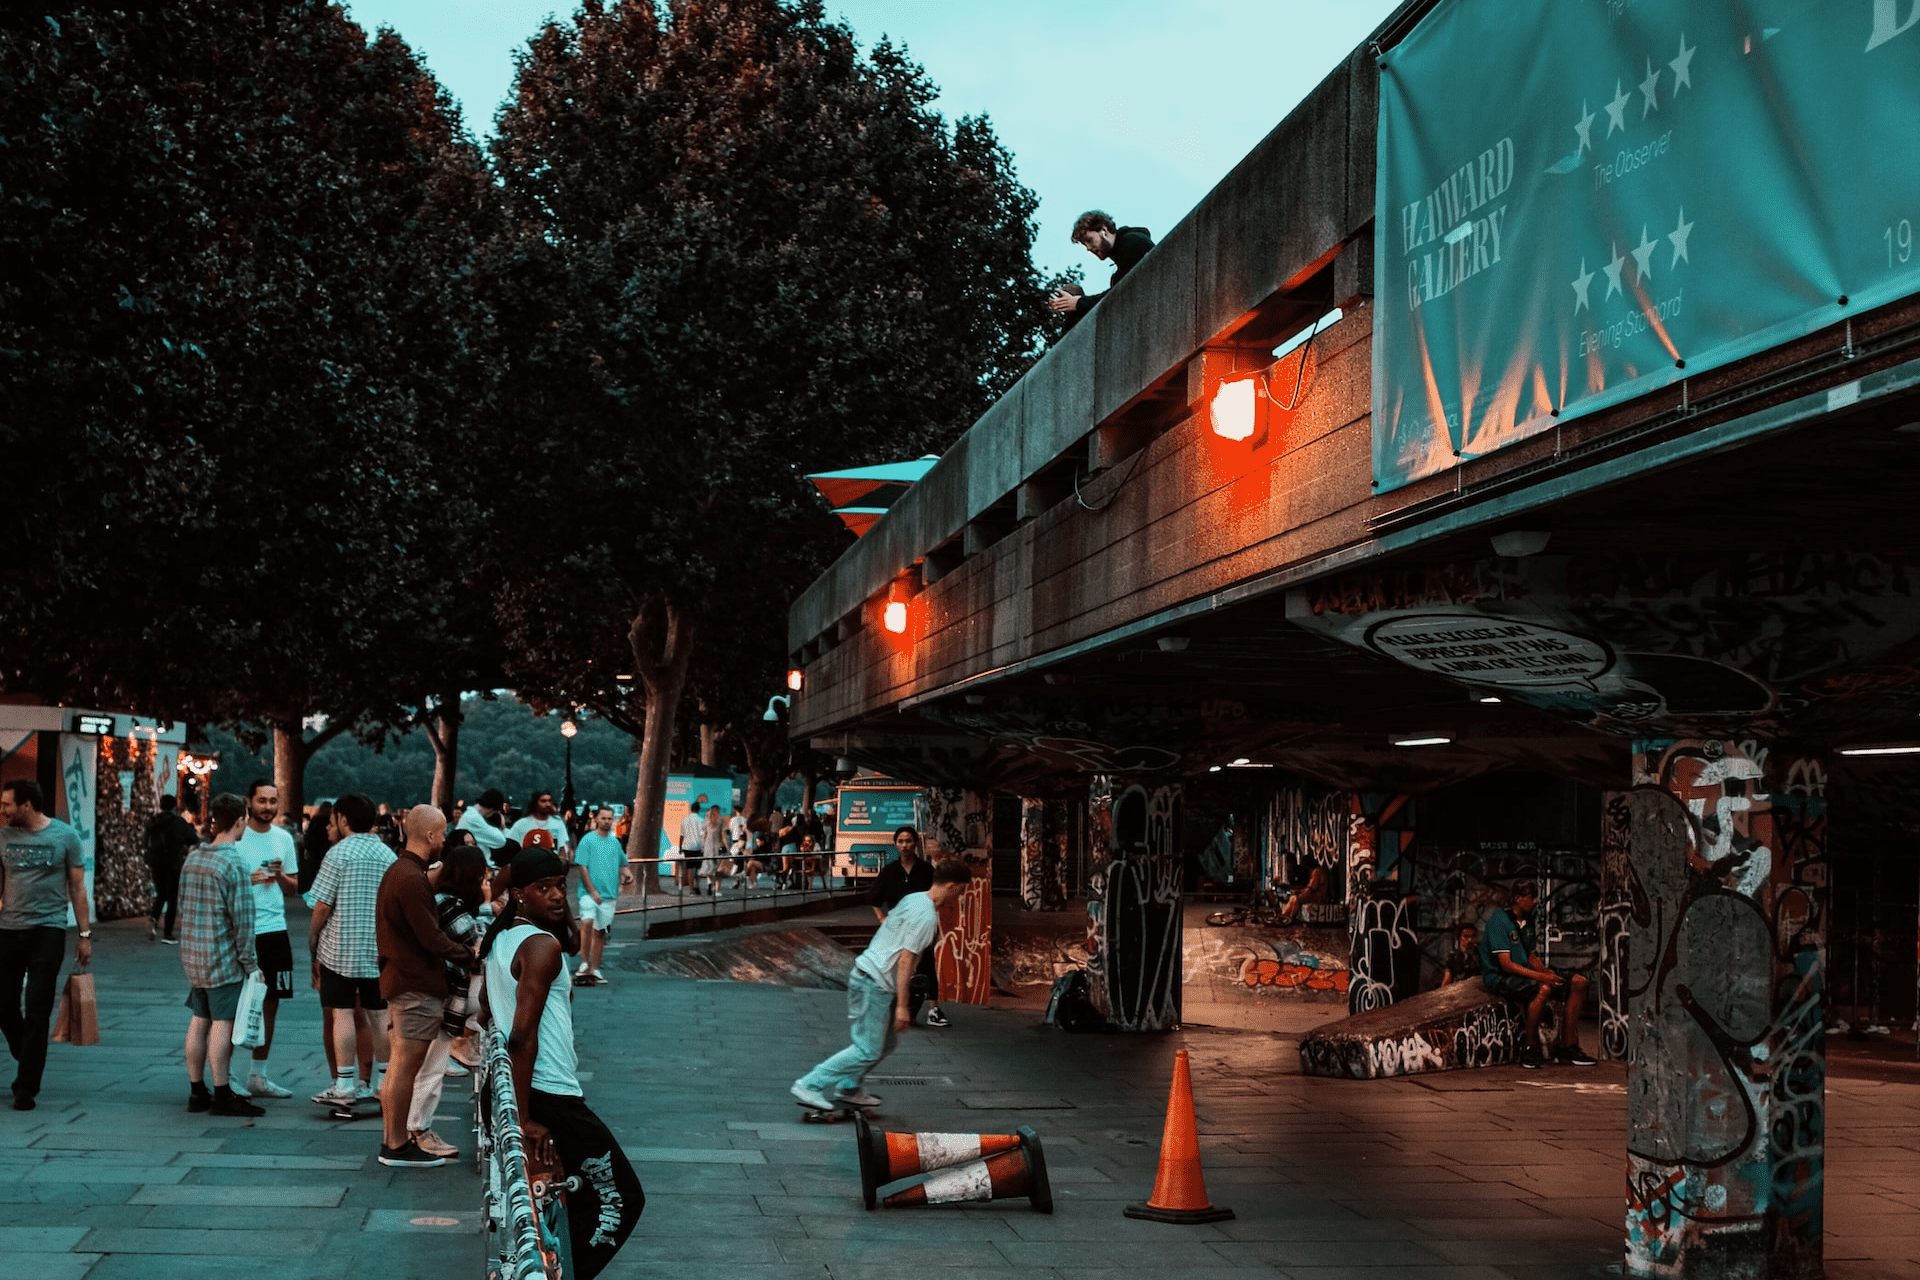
[(894, 618), (795, 678), (1234, 411)]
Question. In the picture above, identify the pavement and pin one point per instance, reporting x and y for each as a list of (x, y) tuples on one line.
[(1489, 1175)]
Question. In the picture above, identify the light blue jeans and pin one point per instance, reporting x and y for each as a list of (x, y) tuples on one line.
[(870, 1009)]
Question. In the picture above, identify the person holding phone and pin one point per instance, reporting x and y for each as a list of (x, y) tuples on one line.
[(268, 855)]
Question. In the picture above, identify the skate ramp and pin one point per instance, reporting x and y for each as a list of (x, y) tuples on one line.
[(789, 957)]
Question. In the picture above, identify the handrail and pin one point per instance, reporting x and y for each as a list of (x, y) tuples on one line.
[(646, 873), (507, 1193)]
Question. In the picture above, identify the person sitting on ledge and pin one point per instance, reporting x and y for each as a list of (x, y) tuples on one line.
[(1123, 246), (1508, 968)]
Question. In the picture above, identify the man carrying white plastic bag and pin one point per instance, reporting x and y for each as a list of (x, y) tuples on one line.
[(216, 950)]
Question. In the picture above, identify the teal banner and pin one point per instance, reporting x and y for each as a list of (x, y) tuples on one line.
[(1583, 201)]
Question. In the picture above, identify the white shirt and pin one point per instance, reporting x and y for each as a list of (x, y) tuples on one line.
[(562, 838), (255, 849), (737, 830), (693, 832), (556, 1065), (485, 834), (912, 926)]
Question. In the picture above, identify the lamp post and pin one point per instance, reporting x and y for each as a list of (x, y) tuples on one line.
[(567, 729)]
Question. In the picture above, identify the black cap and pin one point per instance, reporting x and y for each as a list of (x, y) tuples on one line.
[(533, 864)]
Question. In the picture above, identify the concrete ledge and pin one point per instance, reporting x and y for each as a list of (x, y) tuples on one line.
[(1449, 1028)]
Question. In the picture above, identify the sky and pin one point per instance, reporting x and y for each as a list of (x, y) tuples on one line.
[(1131, 106)]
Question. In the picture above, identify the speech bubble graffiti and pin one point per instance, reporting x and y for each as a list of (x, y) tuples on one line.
[(1482, 650)]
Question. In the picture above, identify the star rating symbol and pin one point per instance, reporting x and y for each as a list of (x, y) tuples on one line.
[(1617, 110), (1643, 255), (1679, 237), (1683, 66), (1580, 283), (1584, 127), (1650, 91), (1613, 272)]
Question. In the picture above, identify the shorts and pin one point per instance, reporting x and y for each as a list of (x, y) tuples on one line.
[(338, 992), (274, 951), (598, 914), (415, 1015), (1514, 987), (216, 1004)]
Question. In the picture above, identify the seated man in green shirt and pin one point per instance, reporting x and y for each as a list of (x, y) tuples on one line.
[(1508, 968)]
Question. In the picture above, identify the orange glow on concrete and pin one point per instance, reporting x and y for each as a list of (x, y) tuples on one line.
[(895, 617)]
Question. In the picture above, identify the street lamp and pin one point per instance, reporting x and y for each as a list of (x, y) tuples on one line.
[(567, 729)]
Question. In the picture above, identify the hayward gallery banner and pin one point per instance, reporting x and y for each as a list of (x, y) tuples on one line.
[(1582, 201)]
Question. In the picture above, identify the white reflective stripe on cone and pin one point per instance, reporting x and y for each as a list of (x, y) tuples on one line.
[(963, 1182), (944, 1150)]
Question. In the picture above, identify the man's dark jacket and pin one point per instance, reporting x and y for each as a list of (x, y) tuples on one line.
[(1130, 244)]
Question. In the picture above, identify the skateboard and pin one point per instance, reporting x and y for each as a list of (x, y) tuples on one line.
[(351, 1110), (839, 1113)]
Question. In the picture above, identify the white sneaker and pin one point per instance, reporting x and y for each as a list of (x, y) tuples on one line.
[(810, 1097), (333, 1096), (363, 1091), (259, 1086), (860, 1098)]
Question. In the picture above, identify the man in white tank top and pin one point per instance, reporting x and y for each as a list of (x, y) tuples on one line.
[(524, 961)]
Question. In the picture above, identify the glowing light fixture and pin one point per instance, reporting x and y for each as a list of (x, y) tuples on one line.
[(1240, 762), (795, 678), (1232, 413), (568, 728), (1489, 697), (1908, 750), (895, 616), (1213, 768), (1422, 740)]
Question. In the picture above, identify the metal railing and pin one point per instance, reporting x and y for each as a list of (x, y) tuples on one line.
[(514, 1233), (790, 883)]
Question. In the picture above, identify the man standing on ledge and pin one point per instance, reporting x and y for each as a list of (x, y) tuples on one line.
[(1508, 968), (1123, 246), (414, 953), (42, 872), (877, 993)]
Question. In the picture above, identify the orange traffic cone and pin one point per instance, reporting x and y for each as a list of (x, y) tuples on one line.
[(889, 1157), (1018, 1171), (1180, 1188)]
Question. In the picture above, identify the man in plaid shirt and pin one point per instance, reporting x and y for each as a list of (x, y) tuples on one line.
[(216, 950), (346, 956)]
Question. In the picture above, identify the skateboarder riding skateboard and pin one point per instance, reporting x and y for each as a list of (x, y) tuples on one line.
[(877, 994)]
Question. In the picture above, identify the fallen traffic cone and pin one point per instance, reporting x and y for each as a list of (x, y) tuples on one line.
[(889, 1157), (1180, 1188), (1019, 1171)]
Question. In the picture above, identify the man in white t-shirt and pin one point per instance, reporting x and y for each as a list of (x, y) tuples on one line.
[(482, 818), (542, 813), (877, 993), (269, 857), (693, 834)]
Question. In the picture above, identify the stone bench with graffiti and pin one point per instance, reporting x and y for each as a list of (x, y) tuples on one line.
[(1449, 1028)]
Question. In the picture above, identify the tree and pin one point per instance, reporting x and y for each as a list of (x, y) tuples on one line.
[(241, 350), (740, 251)]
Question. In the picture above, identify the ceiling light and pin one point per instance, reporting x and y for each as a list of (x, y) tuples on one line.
[(1909, 750), (1521, 542), (1173, 644), (1213, 768), (1240, 763), (1421, 740)]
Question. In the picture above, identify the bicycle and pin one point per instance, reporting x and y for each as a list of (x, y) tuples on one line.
[(1264, 910)]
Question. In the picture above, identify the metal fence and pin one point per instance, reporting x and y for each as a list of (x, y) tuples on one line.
[(515, 1248), (786, 880)]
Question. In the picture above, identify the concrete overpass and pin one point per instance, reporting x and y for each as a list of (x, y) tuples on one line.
[(1690, 602)]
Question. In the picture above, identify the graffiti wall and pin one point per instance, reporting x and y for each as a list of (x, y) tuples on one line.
[(1727, 892), (1142, 910), (1617, 912)]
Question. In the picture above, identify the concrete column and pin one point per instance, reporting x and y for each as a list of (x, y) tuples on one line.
[(1616, 922), (1725, 971), (1099, 857), (958, 824), (1141, 912), (1043, 854)]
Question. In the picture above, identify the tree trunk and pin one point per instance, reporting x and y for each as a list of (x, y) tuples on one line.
[(443, 731), (664, 675), (290, 755), (710, 735), (762, 774)]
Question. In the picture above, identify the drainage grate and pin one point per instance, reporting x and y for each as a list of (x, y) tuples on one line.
[(901, 1082)]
